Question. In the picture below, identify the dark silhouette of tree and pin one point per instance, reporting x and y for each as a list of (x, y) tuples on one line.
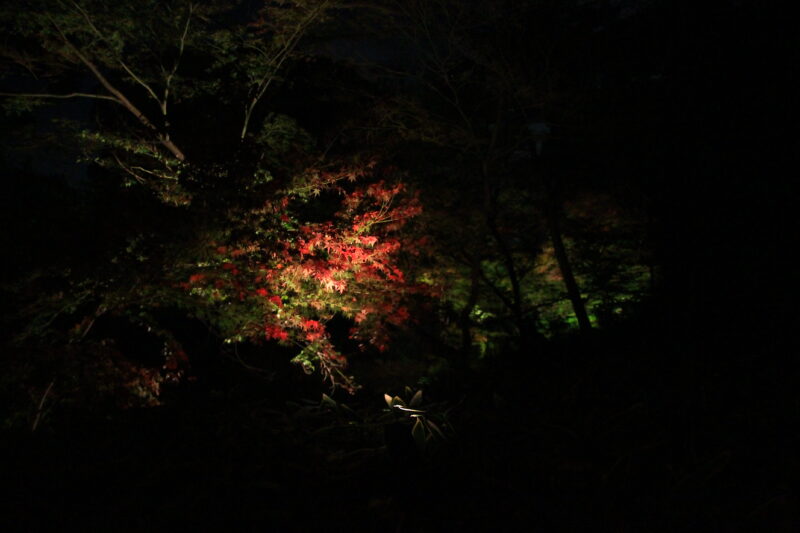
[(475, 89)]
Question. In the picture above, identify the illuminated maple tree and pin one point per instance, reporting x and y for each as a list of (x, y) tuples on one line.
[(290, 280), (239, 228)]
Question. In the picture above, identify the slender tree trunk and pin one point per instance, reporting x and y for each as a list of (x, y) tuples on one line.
[(573, 291), (511, 271), (551, 215), (465, 323), (526, 328), (490, 212)]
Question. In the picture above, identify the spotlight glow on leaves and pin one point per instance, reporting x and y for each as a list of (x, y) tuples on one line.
[(300, 278)]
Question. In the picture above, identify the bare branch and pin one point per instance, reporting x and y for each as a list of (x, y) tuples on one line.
[(127, 169), (40, 408), (125, 67), (62, 96), (280, 57), (182, 42), (123, 100), (496, 290), (156, 174), (168, 77)]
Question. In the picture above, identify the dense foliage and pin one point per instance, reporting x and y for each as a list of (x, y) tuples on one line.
[(253, 206), (248, 226)]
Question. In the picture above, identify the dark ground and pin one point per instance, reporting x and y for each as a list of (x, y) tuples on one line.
[(629, 431)]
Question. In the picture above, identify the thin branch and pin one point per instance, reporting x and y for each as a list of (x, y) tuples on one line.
[(127, 69), (280, 57), (182, 41), (156, 174), (181, 47), (141, 82), (40, 408), (62, 96), (168, 144), (124, 167), (21, 59), (496, 290)]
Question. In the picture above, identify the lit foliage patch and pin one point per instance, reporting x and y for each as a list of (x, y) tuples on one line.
[(607, 246), (286, 280)]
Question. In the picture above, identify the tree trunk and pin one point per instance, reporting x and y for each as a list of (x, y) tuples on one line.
[(573, 291), (464, 317), (526, 329), (551, 215)]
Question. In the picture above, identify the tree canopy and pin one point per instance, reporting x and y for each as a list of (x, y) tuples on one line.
[(262, 234), (256, 207)]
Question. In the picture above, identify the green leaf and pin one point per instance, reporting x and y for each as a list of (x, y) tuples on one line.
[(416, 399), (418, 433), (329, 401), (435, 428)]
